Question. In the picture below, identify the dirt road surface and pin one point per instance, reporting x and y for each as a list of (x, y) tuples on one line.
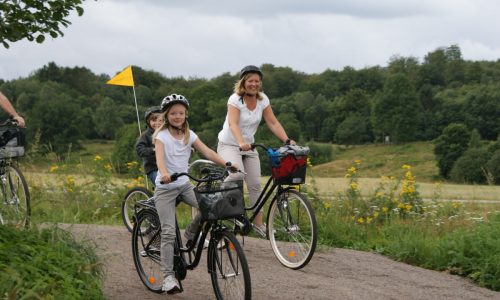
[(332, 274)]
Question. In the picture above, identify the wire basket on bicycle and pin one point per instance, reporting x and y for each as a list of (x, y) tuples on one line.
[(288, 164), (219, 200)]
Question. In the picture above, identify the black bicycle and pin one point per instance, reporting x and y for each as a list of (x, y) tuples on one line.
[(291, 223), (140, 193), (226, 261), (15, 204)]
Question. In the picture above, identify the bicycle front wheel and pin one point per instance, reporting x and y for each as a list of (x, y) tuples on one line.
[(16, 209), (292, 229), (146, 243), (132, 196), (228, 268)]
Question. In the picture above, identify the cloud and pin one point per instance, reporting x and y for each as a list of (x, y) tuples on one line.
[(205, 38)]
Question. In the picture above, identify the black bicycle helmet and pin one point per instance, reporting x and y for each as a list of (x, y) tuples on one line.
[(174, 99), (150, 111), (251, 69)]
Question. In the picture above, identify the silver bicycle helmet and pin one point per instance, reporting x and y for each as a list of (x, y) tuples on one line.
[(251, 69), (150, 111), (174, 99)]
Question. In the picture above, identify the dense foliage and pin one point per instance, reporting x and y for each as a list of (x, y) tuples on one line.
[(406, 101), (47, 264), (34, 19)]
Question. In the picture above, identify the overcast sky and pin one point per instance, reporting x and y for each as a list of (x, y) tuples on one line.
[(205, 38)]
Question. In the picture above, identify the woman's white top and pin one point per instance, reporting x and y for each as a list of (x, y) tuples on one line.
[(249, 120), (176, 155)]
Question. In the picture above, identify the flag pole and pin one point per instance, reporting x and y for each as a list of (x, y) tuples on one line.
[(137, 112), (140, 133)]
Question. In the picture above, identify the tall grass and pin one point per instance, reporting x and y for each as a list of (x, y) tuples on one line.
[(395, 221), (47, 264)]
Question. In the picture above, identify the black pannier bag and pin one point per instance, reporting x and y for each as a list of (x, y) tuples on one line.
[(12, 142), (220, 200)]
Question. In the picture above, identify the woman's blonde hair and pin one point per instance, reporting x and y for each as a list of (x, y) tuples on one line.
[(166, 125), (239, 86)]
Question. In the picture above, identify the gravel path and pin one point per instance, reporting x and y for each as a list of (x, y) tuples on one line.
[(331, 274)]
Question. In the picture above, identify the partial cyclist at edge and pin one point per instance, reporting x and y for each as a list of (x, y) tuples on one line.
[(9, 109), (245, 109)]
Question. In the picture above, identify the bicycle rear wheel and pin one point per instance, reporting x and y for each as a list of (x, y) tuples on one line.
[(292, 229), (228, 268), (132, 196), (146, 243), (15, 209)]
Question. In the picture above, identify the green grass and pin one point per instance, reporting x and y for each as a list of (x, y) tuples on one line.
[(382, 160), (47, 264)]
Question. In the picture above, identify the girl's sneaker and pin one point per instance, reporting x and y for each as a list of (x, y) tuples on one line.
[(171, 285)]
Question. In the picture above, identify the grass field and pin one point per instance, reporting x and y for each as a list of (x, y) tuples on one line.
[(382, 160)]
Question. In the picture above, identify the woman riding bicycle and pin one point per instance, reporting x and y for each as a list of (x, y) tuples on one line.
[(245, 109), (173, 142)]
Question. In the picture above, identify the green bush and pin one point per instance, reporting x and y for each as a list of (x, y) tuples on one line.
[(320, 153), (47, 264), (470, 167), (476, 253), (124, 150), (493, 167), (450, 145)]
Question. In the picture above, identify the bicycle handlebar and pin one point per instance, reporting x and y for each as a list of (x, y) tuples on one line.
[(207, 178), (9, 121)]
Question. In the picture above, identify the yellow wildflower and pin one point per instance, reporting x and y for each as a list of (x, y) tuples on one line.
[(385, 209), (97, 157), (53, 169), (354, 186), (361, 220)]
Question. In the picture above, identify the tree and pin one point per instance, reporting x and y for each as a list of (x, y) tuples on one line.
[(33, 19), (450, 145), (482, 108), (355, 129), (396, 111)]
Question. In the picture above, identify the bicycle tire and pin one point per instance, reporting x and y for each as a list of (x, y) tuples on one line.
[(292, 229), (16, 209), (228, 267), (146, 243), (127, 209)]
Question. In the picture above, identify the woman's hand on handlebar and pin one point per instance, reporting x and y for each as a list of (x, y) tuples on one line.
[(245, 147)]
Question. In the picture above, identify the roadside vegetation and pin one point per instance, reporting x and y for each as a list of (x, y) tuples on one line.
[(389, 216)]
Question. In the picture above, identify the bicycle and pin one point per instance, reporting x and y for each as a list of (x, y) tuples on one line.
[(15, 209), (291, 223), (139, 193), (226, 261)]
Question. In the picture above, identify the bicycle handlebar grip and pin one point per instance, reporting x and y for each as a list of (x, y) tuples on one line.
[(173, 177)]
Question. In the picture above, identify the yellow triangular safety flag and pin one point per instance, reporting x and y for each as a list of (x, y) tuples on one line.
[(124, 78)]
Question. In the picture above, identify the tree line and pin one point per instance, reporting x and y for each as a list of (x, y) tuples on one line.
[(405, 101)]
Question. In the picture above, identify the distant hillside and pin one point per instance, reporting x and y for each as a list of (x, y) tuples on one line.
[(379, 159)]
